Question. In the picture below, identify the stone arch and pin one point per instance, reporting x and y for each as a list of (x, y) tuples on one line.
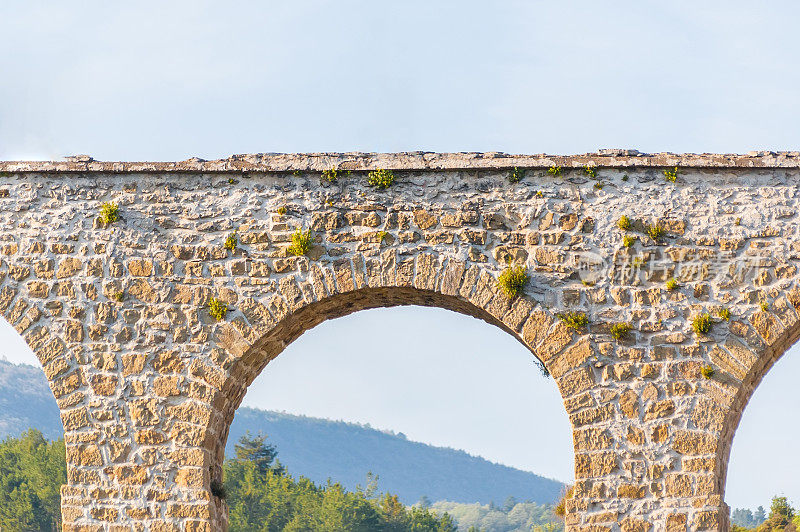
[(251, 339), (749, 353), (57, 359), (25, 307)]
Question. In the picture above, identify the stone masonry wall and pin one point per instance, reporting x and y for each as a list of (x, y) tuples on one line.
[(148, 382)]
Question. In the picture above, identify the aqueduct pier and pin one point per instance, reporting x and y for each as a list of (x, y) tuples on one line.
[(148, 381)]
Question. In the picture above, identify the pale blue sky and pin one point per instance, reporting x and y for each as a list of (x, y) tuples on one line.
[(209, 79)]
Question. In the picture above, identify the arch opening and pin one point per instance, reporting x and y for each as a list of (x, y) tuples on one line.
[(27, 399), (32, 441), (762, 461), (383, 306)]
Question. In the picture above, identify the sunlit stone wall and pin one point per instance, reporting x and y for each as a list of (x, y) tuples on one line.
[(148, 381)]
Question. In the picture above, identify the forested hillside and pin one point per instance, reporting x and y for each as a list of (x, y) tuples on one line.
[(26, 401), (346, 452)]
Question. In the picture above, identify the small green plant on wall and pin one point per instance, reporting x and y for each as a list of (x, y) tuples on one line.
[(282, 210), (625, 223), (764, 306), (217, 309), (119, 296), (109, 213), (231, 242), (516, 175), (673, 284), (656, 232), (301, 242), (724, 313), (332, 175), (512, 280), (590, 170), (575, 320), (702, 323), (620, 331), (671, 175), (380, 178), (707, 371), (628, 241), (554, 171)]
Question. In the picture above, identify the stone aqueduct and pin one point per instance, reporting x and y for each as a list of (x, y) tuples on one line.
[(148, 383)]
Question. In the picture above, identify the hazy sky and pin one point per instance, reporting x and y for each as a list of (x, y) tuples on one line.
[(208, 79)]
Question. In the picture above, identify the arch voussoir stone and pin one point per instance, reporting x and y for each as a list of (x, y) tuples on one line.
[(148, 381)]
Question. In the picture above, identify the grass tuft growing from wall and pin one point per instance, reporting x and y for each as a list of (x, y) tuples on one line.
[(380, 178), (231, 242), (620, 331), (702, 324), (301, 242), (109, 213), (512, 280), (575, 320), (217, 309), (516, 175)]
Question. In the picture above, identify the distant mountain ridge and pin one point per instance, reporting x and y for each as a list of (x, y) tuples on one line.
[(26, 401), (318, 449), (345, 452)]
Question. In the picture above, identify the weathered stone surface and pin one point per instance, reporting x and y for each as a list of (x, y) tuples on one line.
[(148, 380)]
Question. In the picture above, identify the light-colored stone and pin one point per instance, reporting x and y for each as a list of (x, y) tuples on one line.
[(148, 380)]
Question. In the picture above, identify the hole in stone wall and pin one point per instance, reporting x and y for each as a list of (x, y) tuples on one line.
[(764, 460), (354, 394)]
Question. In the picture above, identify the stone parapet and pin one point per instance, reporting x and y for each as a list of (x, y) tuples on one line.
[(415, 161)]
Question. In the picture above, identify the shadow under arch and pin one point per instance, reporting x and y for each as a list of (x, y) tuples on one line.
[(530, 325)]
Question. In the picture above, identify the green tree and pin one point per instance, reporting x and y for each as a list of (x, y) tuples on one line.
[(32, 471), (424, 520), (509, 504), (781, 515), (262, 497), (256, 450)]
